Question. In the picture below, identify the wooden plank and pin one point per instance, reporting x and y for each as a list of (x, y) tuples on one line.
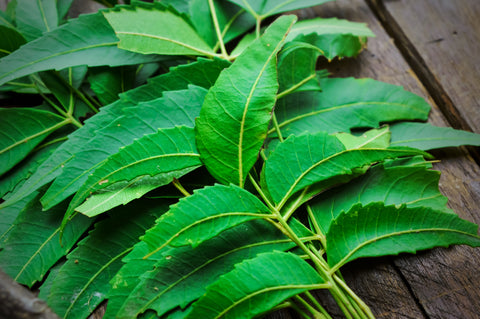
[(441, 39), (444, 281)]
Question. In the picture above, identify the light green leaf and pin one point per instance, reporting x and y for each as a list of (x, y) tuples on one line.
[(202, 73), (201, 216), (394, 182), (235, 115), (21, 129), (257, 285), (425, 136), (33, 245), (307, 159), (266, 8), (97, 259), (366, 103), (321, 26), (172, 109), (376, 138), (33, 18), (11, 40), (156, 29), (181, 275), (87, 40), (377, 230), (170, 153)]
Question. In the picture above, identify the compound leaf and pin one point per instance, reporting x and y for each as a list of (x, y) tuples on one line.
[(378, 230), (235, 115), (256, 286)]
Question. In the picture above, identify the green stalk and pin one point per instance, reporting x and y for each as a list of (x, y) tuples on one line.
[(277, 128), (217, 30)]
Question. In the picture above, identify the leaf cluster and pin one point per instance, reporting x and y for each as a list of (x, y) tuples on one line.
[(188, 160)]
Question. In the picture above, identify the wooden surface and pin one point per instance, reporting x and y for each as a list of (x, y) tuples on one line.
[(432, 48)]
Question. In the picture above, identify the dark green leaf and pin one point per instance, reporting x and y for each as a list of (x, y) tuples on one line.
[(366, 103), (33, 245), (97, 259), (377, 230), (170, 153), (396, 182), (427, 137), (237, 109), (33, 18), (87, 40), (11, 40), (63, 6), (9, 214), (21, 129), (307, 159), (156, 29), (257, 285), (108, 83), (181, 275)]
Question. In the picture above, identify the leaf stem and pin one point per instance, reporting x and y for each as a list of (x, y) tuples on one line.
[(179, 186), (261, 193), (217, 29), (316, 227), (317, 304), (277, 128), (296, 86), (304, 303)]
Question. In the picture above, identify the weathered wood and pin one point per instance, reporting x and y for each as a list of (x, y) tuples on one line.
[(440, 40)]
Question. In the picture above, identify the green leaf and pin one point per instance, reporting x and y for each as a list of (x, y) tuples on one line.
[(21, 129), (375, 138), (366, 103), (181, 275), (33, 18), (97, 259), (108, 83), (87, 40), (156, 29), (33, 245), (63, 6), (297, 68), (268, 8), (202, 73), (333, 37), (395, 182), (201, 216), (377, 230), (232, 20), (11, 40), (170, 153), (174, 108), (237, 109), (307, 159), (5, 19), (257, 285), (425, 136), (9, 214)]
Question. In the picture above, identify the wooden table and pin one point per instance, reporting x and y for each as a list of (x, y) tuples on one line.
[(432, 48)]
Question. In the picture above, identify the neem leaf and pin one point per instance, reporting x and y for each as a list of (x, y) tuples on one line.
[(21, 129), (201, 216), (87, 40), (425, 136), (108, 83), (33, 245), (377, 230), (156, 29), (33, 18), (182, 274), (235, 115), (333, 37), (97, 259), (172, 109), (394, 182), (168, 152), (268, 8), (11, 40), (304, 160), (256, 286), (366, 103)]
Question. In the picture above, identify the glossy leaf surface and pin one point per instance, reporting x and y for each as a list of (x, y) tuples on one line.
[(235, 115), (156, 29), (256, 285), (377, 230)]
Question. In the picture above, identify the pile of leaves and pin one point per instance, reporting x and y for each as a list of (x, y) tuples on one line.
[(186, 159)]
